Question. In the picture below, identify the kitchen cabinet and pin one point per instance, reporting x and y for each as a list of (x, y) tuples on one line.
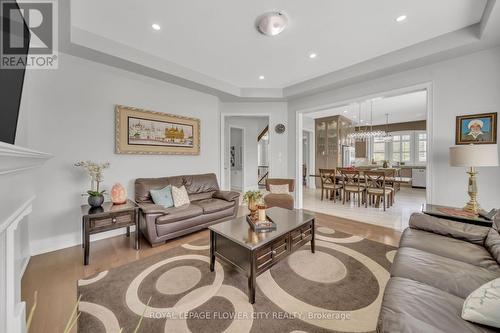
[(331, 134)]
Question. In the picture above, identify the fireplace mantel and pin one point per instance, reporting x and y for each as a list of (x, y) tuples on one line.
[(17, 193)]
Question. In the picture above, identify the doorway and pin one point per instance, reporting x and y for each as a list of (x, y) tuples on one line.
[(245, 151), (236, 158)]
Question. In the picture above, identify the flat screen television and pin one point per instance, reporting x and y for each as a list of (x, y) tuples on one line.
[(11, 80)]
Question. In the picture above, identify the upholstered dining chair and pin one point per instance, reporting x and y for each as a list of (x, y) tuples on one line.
[(329, 183), (376, 187), (352, 183), (391, 174), (280, 199)]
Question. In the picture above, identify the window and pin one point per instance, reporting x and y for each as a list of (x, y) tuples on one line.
[(409, 147), (401, 148), (378, 150), (422, 147)]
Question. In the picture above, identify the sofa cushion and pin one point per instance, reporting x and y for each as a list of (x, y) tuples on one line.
[(213, 205), (453, 276), (144, 185), (201, 183), (411, 306), (226, 195), (449, 247), (179, 213), (463, 231), (492, 244), (279, 200)]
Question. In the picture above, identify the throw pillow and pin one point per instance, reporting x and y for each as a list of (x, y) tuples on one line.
[(180, 196), (482, 306), (279, 189), (163, 197)]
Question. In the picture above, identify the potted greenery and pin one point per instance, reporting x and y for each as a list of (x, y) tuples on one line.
[(95, 170), (252, 198)]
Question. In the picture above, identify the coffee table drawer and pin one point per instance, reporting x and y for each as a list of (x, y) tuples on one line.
[(113, 221), (272, 253), (301, 236)]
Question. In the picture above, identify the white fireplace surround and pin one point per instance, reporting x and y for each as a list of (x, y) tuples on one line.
[(17, 194)]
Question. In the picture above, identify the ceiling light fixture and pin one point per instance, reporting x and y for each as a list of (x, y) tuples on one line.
[(155, 26), (401, 18), (272, 23), (262, 77), (313, 55), (367, 132)]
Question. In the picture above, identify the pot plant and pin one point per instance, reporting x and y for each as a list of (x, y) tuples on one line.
[(95, 171), (252, 198)]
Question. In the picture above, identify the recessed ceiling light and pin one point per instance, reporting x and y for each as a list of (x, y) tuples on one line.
[(313, 55), (345, 111), (262, 77), (401, 18), (155, 26)]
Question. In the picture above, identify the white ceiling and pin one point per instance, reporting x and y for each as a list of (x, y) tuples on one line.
[(401, 109), (218, 38)]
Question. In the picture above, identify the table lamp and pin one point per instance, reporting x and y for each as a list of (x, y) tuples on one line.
[(472, 156)]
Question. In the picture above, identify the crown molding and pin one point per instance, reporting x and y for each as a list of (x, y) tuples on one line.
[(18, 159)]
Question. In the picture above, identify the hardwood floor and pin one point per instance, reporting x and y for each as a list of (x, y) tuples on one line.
[(54, 274)]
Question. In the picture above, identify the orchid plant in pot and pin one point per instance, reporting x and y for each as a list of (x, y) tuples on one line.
[(95, 171)]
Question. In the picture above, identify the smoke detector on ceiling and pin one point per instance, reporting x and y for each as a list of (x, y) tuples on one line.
[(272, 23)]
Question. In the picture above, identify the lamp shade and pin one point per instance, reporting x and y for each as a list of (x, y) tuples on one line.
[(474, 156)]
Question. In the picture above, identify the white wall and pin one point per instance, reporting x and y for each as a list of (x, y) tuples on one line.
[(278, 143), (464, 85), (71, 115), (252, 126)]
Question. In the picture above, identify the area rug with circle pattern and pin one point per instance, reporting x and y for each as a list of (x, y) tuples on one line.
[(337, 289)]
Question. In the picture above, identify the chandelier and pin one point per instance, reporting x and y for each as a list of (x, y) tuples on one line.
[(367, 132), (387, 137)]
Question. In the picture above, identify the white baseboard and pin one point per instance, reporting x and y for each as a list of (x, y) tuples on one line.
[(40, 246)]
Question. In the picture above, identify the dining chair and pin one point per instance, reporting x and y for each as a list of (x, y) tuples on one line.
[(329, 183), (377, 188), (352, 183), (391, 175)]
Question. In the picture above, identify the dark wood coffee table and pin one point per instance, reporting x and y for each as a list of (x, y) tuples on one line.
[(234, 242)]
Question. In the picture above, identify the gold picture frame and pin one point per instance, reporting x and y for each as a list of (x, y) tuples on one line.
[(140, 131)]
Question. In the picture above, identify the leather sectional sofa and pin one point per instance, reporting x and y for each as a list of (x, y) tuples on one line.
[(208, 206), (439, 263)]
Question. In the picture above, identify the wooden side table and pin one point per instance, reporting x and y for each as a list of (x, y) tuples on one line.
[(108, 217), (455, 214)]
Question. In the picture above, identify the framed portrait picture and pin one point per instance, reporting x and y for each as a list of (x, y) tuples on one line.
[(141, 131), (476, 129)]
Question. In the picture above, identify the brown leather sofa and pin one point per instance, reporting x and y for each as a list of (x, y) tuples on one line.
[(280, 200), (439, 263), (208, 206)]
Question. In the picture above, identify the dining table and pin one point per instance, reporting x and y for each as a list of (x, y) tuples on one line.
[(397, 179)]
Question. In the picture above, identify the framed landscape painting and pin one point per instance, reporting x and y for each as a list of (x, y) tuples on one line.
[(148, 132), (476, 129)]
